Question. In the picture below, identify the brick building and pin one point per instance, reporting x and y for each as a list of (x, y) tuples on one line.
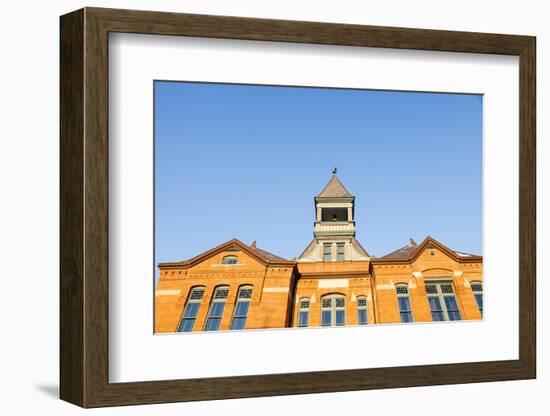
[(334, 281)]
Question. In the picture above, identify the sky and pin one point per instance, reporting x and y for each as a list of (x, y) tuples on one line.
[(245, 162)]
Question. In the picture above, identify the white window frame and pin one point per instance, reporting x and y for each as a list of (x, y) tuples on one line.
[(325, 246), (477, 293), (343, 247), (363, 308), (333, 297), (241, 299), (302, 309), (399, 288), (213, 301), (441, 295), (189, 301)]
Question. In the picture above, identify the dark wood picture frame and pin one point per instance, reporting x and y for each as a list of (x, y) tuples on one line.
[(84, 207)]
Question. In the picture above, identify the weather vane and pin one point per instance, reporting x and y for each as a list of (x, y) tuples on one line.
[(334, 171)]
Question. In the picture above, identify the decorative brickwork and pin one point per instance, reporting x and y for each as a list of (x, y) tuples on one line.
[(278, 284)]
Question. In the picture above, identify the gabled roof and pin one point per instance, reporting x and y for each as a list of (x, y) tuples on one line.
[(403, 252), (412, 250), (356, 245), (263, 256), (334, 189), (269, 256)]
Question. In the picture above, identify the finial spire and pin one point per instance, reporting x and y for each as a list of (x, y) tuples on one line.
[(334, 171)]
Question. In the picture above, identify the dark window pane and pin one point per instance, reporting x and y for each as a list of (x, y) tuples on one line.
[(191, 310), (217, 309), (435, 304), (340, 250), (340, 302), (402, 290), (229, 260), (362, 315), (437, 316), (325, 318), (454, 316), (479, 300), (303, 319), (238, 323), (404, 304), (221, 293), (212, 324), (327, 252), (451, 304), (196, 294), (431, 289), (406, 317), (245, 293), (242, 308), (186, 325), (340, 318)]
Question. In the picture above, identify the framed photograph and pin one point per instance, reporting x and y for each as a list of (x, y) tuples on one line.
[(254, 207)]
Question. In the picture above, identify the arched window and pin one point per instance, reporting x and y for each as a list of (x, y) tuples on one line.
[(362, 310), (333, 310), (229, 260), (404, 302), (477, 288), (217, 305), (303, 312), (442, 300), (191, 309), (242, 305)]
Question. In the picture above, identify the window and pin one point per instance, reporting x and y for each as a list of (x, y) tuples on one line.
[(442, 301), (362, 310), (229, 260), (477, 288), (404, 302), (191, 309), (241, 307), (327, 252), (217, 305), (333, 310), (303, 312), (340, 253)]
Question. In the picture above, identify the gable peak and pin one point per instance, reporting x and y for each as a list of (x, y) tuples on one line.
[(334, 189)]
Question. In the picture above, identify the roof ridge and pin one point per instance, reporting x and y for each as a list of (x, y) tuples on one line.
[(267, 254)]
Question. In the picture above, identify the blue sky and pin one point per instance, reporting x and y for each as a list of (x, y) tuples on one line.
[(239, 161)]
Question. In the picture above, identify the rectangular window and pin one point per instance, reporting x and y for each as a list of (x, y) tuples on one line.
[(404, 303), (327, 252), (442, 301), (340, 253), (303, 312), (333, 310), (362, 310)]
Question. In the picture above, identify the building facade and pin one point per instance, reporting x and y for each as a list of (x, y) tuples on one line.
[(333, 282)]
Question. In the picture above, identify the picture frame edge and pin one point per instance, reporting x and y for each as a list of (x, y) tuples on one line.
[(84, 208)]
